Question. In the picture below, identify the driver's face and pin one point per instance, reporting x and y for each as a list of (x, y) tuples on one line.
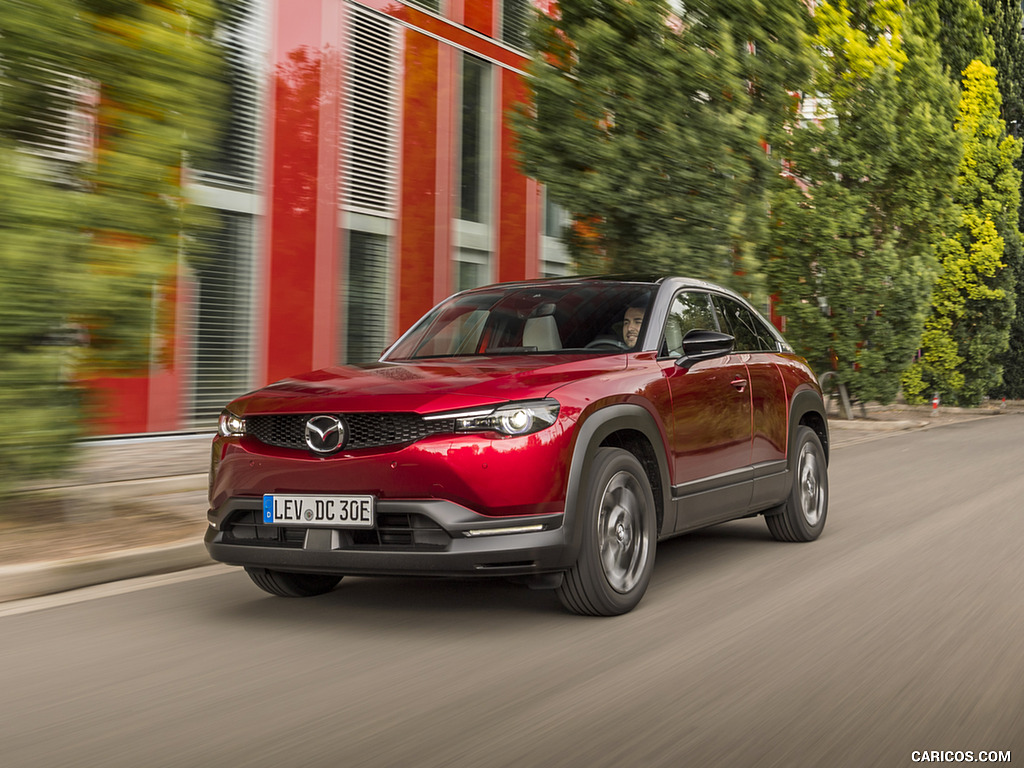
[(631, 325)]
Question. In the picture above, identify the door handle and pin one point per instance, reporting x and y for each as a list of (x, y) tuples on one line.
[(740, 384)]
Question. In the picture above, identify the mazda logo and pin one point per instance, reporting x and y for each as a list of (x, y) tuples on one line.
[(325, 434)]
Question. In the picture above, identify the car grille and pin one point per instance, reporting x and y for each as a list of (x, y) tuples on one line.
[(401, 531), (365, 430)]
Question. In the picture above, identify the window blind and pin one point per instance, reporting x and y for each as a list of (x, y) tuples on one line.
[(221, 329), (241, 33), (370, 114), (515, 22)]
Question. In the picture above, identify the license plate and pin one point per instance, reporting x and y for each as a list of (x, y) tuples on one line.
[(323, 511)]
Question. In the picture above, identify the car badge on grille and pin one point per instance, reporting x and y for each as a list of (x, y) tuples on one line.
[(325, 434)]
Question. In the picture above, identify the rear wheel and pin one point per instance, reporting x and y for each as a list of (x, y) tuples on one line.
[(619, 523), (802, 516), (283, 584)]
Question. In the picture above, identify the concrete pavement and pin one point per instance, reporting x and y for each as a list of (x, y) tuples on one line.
[(166, 474)]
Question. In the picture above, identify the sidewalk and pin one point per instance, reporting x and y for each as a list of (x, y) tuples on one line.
[(137, 506), (131, 507)]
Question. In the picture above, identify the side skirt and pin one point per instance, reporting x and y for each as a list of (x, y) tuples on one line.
[(772, 481), (730, 495)]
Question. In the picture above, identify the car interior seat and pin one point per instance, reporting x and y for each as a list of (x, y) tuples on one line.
[(541, 331)]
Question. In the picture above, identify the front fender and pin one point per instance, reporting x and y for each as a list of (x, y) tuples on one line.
[(594, 430)]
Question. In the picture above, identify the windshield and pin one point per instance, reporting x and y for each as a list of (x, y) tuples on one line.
[(591, 318)]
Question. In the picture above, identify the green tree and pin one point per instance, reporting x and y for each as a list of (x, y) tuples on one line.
[(962, 35), (648, 128), (158, 91), (1004, 21), (37, 264), (973, 300), (101, 103), (866, 195)]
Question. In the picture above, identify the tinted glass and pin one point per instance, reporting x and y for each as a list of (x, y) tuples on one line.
[(691, 310), (537, 319), (473, 154), (750, 332), (366, 318)]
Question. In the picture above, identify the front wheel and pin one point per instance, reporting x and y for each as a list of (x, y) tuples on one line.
[(620, 524), (802, 516), (283, 584)]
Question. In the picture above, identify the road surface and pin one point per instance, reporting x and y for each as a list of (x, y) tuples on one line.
[(900, 631)]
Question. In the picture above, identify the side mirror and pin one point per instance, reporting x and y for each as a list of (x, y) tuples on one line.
[(704, 345)]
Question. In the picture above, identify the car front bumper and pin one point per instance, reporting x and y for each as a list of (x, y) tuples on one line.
[(411, 537)]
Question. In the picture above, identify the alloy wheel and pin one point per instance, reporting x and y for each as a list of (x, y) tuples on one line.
[(622, 534), (812, 494)]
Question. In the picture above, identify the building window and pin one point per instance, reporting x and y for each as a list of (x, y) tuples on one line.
[(366, 300), (515, 22), (369, 178), (472, 269), (476, 175), (223, 304), (555, 219), (241, 34), (553, 254), (222, 317), (475, 161), (370, 119), (62, 123), (430, 5)]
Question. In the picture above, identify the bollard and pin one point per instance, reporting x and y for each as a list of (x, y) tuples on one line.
[(935, 404)]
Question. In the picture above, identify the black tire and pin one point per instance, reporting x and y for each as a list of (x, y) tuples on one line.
[(802, 516), (283, 584), (620, 533)]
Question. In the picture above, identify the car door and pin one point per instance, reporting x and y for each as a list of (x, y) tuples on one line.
[(711, 426), (758, 348)]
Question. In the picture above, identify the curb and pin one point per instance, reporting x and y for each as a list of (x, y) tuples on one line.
[(875, 426), (143, 486), (844, 433), (35, 579)]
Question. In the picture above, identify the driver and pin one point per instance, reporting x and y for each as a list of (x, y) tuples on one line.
[(631, 323)]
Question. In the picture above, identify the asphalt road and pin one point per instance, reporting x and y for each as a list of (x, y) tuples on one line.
[(900, 630)]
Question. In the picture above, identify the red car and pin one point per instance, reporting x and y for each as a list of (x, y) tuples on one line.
[(552, 431)]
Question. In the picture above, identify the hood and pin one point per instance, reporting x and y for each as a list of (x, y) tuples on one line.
[(424, 386)]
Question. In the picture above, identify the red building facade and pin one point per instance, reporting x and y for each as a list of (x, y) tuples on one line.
[(369, 172)]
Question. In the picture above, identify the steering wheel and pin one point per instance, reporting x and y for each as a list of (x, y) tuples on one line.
[(607, 343)]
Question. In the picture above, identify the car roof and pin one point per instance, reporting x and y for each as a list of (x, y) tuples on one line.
[(674, 282)]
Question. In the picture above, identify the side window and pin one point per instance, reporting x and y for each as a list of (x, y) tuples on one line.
[(690, 310), (750, 333)]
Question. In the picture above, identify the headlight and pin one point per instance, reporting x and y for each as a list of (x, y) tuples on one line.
[(230, 425), (513, 419)]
